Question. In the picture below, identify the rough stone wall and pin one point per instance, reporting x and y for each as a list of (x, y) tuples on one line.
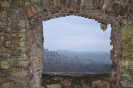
[(14, 71), (126, 61), (74, 80), (20, 37)]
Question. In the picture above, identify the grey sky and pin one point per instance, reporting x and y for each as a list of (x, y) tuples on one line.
[(76, 34)]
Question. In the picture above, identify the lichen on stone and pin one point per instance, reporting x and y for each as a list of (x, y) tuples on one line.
[(103, 26)]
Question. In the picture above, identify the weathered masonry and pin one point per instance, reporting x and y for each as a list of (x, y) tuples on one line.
[(21, 41)]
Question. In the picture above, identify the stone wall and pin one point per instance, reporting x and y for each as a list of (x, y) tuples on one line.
[(75, 80), (126, 61), (21, 37)]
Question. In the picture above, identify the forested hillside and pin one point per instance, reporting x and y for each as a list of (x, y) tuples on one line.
[(54, 62), (102, 56)]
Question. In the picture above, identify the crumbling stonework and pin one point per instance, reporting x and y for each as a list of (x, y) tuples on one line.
[(21, 37), (73, 80)]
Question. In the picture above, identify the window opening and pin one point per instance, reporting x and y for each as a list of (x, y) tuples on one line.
[(76, 44)]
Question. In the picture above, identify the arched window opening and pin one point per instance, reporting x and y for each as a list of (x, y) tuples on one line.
[(76, 44)]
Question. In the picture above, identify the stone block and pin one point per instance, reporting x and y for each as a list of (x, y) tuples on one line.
[(35, 1), (6, 4), (33, 9), (7, 85), (22, 49), (23, 44), (22, 23), (25, 13), (16, 54), (100, 84), (27, 3), (5, 55), (126, 53), (28, 12), (8, 44), (19, 73), (126, 84), (23, 63), (1, 38), (14, 39), (38, 8), (22, 35), (8, 29), (54, 86), (56, 3), (3, 13), (13, 34), (62, 3), (5, 65), (131, 42), (126, 63)]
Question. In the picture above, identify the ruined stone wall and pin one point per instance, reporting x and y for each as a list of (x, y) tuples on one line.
[(21, 37), (75, 80), (126, 61), (14, 71)]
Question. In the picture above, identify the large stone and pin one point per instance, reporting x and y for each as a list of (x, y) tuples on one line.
[(27, 4), (8, 29), (126, 53), (22, 23), (6, 4), (4, 65), (5, 55), (24, 63), (19, 73)]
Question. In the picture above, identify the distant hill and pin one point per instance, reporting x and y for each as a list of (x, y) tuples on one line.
[(55, 62), (102, 56)]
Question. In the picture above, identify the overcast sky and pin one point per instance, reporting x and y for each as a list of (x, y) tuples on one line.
[(75, 34)]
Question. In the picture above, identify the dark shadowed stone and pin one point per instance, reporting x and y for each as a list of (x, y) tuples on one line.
[(14, 38), (16, 54), (12, 1), (6, 71), (13, 79), (20, 14), (5, 34), (42, 4), (5, 55), (115, 7)]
